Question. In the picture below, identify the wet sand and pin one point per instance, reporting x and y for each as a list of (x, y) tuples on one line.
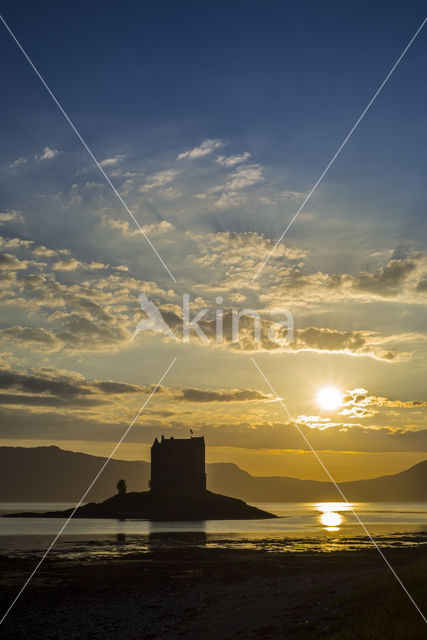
[(199, 593)]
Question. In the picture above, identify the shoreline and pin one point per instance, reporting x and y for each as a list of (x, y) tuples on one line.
[(120, 545)]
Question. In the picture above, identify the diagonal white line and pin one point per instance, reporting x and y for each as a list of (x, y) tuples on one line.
[(340, 148), (36, 568), (338, 488), (85, 146)]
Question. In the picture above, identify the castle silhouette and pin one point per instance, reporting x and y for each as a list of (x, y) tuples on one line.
[(178, 466)]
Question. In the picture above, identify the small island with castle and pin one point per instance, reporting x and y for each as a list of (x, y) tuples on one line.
[(177, 491)]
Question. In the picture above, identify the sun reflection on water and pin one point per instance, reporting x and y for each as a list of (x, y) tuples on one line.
[(330, 514), (331, 520)]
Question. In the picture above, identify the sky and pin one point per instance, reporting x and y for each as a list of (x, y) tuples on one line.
[(213, 121)]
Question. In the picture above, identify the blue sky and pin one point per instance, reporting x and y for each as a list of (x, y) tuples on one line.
[(284, 83), (214, 120)]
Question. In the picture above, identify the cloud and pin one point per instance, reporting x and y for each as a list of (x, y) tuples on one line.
[(159, 179), (84, 334), (329, 339), (44, 252), (15, 244), (67, 265), (96, 265), (45, 401), (108, 303), (238, 254), (227, 200), (333, 340), (51, 388), (244, 177), (47, 154), (95, 314), (61, 387), (232, 161), (358, 403), (229, 193), (231, 395), (170, 193), (398, 280), (112, 162), (70, 264), (158, 228), (387, 278), (130, 230), (95, 331), (54, 381), (11, 216), (205, 149), (9, 262), (17, 163), (276, 338), (35, 338)]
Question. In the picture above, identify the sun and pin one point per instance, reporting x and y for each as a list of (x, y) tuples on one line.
[(329, 398)]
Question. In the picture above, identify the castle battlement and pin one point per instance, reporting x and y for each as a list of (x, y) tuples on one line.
[(178, 466)]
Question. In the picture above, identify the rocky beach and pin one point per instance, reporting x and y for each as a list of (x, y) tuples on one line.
[(216, 593)]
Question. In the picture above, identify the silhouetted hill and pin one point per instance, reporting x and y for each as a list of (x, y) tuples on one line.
[(50, 474)]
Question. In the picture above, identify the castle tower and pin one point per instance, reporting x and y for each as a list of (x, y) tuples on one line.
[(178, 466)]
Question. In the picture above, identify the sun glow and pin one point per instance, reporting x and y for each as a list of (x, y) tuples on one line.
[(329, 398)]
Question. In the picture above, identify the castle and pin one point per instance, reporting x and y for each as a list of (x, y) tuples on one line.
[(178, 466)]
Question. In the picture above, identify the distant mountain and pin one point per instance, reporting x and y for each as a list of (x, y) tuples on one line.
[(50, 474), (408, 485)]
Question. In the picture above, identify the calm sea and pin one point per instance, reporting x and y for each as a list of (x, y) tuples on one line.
[(322, 526)]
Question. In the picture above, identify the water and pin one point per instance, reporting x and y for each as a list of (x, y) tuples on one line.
[(322, 526)]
